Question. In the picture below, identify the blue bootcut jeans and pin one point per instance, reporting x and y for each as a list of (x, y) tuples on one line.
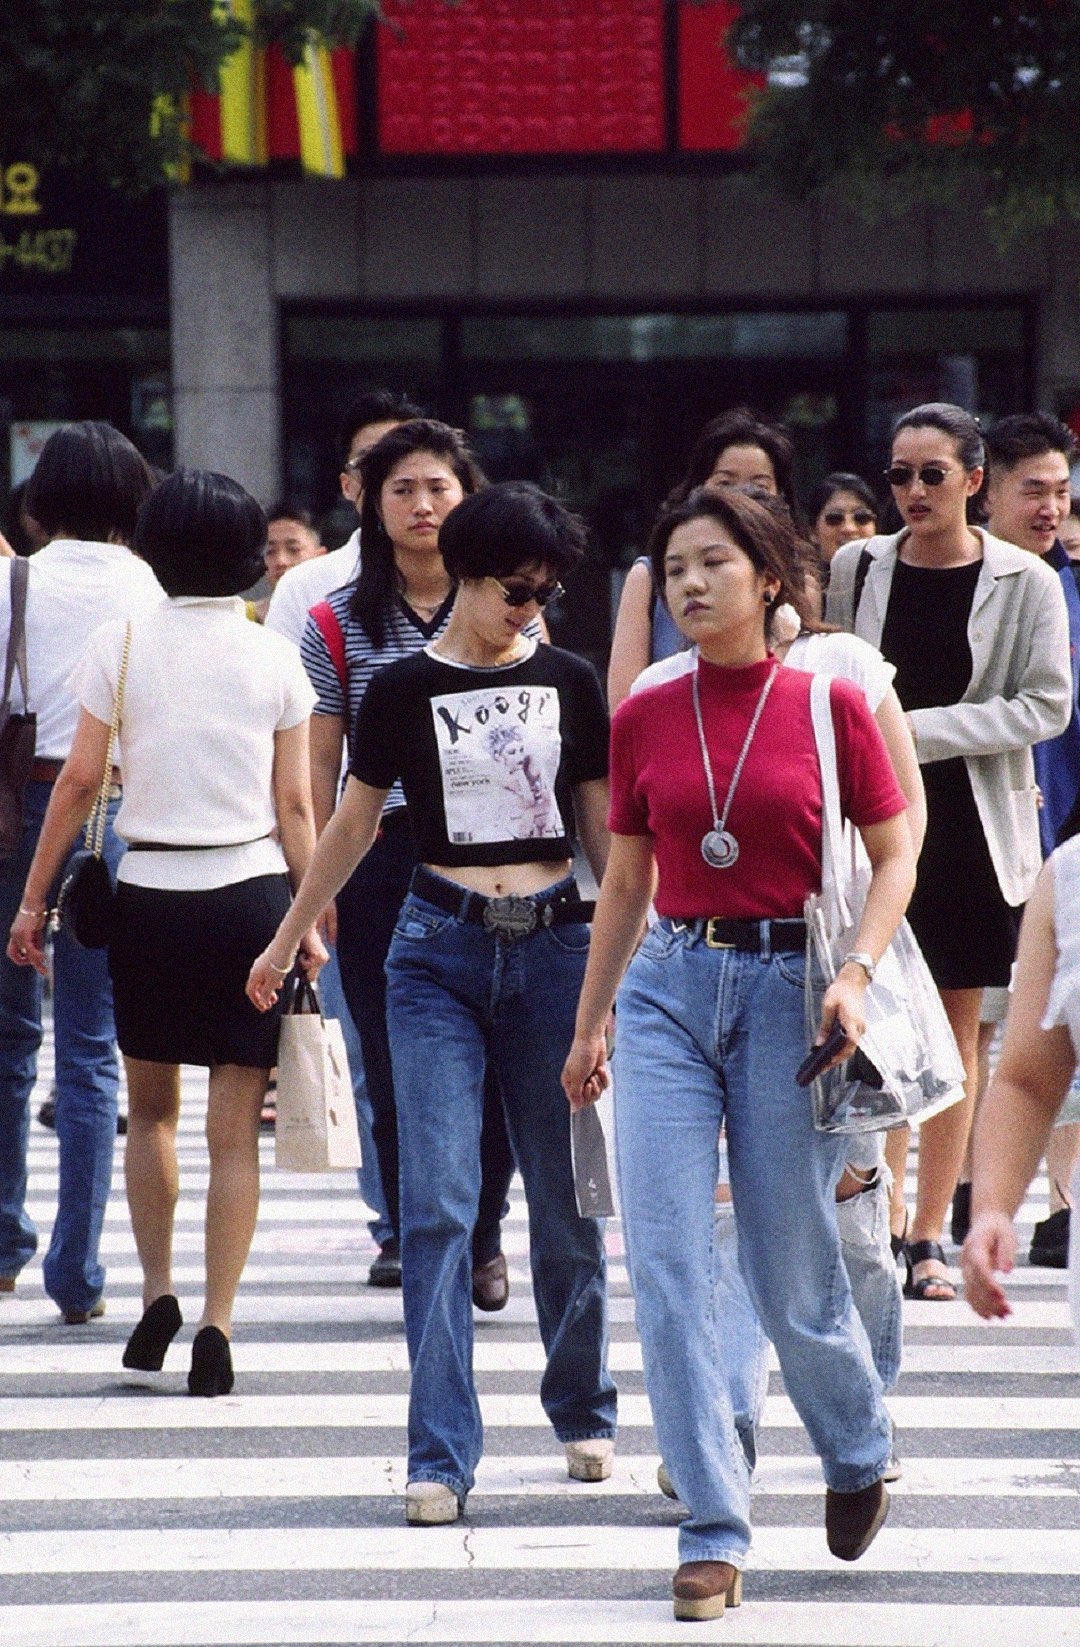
[(711, 1037), (87, 1077), (457, 997), (368, 1178)]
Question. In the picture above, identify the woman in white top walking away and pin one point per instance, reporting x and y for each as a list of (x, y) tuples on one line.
[(85, 493), (214, 751)]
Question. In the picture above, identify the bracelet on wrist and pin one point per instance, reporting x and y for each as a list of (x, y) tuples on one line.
[(282, 971), (34, 914), (864, 959)]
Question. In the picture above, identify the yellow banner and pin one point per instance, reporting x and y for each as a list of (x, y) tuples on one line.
[(321, 151), (243, 97)]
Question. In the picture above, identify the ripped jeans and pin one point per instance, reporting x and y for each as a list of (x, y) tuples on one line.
[(708, 1038)]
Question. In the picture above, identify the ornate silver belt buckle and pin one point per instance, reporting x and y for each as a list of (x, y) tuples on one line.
[(510, 917)]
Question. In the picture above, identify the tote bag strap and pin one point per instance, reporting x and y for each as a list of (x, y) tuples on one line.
[(95, 823), (833, 877), (16, 646)]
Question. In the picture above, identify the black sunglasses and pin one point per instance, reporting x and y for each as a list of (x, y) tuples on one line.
[(861, 517), (520, 594), (902, 474)]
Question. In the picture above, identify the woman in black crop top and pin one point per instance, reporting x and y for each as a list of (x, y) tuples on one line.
[(501, 748)]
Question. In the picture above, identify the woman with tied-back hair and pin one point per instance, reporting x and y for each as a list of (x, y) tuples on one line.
[(738, 448), (399, 603), (84, 494), (978, 633)]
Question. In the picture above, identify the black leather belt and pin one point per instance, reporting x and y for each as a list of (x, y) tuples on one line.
[(719, 932), (509, 917), (193, 846)]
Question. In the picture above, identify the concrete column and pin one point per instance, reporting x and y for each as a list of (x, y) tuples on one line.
[(226, 376)]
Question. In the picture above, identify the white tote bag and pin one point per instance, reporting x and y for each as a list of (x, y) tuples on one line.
[(907, 1066), (316, 1116)]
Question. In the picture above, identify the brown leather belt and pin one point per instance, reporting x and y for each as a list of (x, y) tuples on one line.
[(48, 772)]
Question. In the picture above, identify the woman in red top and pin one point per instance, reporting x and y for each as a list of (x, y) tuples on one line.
[(716, 789)]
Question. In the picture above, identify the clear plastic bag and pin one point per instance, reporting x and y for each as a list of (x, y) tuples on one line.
[(907, 1065)]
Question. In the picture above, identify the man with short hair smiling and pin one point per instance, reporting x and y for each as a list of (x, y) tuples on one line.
[(1027, 500)]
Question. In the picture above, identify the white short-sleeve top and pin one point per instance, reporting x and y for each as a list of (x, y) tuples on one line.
[(845, 656), (206, 690), (1063, 1006)]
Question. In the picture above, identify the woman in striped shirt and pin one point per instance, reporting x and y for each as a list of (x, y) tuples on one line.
[(400, 602)]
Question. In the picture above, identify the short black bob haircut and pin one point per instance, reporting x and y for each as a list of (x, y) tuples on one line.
[(763, 529), (507, 527), (202, 534), (89, 483)]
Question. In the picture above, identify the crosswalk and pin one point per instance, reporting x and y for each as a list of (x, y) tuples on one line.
[(134, 1516)]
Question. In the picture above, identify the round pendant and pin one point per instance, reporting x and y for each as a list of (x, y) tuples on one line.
[(719, 848)]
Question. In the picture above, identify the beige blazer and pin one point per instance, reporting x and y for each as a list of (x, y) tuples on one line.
[(1020, 691)]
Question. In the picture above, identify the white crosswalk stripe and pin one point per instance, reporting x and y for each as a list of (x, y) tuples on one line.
[(132, 1516)]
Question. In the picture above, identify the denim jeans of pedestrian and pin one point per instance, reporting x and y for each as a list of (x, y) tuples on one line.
[(369, 1178), (709, 1038), (457, 997), (87, 1077), (368, 907), (863, 1224)]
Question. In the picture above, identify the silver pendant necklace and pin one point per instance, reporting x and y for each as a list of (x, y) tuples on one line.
[(719, 847)]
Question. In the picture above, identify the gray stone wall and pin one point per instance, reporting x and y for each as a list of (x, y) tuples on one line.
[(239, 249)]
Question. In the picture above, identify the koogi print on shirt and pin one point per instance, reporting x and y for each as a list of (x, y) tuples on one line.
[(499, 753)]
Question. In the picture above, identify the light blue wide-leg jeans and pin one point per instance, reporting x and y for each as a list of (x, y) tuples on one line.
[(708, 1037)]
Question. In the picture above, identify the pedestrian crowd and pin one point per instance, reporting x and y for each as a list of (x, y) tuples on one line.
[(381, 774)]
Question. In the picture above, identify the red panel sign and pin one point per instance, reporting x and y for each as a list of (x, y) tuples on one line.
[(521, 77), (712, 89)]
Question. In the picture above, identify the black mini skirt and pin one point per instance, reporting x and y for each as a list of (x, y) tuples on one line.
[(179, 962)]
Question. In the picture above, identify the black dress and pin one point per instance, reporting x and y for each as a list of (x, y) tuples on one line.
[(966, 929)]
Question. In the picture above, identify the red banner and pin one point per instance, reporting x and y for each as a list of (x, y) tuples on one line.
[(521, 77), (712, 89)]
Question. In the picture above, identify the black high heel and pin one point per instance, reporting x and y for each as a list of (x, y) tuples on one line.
[(925, 1252), (211, 1363), (145, 1349), (898, 1243)]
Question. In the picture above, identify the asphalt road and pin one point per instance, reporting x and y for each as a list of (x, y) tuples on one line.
[(140, 1516)]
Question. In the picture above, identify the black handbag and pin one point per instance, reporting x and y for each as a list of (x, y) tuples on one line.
[(18, 733), (86, 907)]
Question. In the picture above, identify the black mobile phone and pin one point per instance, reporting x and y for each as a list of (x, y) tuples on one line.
[(816, 1059)]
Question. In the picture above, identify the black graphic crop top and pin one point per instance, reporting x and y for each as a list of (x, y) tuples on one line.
[(488, 758)]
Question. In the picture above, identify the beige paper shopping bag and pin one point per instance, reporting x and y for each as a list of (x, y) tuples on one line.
[(316, 1116)]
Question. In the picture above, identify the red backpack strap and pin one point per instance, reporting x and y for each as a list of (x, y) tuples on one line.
[(330, 629)]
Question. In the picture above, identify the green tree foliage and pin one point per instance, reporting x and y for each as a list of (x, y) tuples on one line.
[(902, 100), (95, 86)]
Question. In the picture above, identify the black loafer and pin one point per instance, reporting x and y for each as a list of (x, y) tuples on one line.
[(853, 1520), (386, 1270), (1050, 1242), (491, 1284)]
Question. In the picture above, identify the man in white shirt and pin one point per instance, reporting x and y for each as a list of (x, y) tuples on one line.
[(85, 491), (301, 588)]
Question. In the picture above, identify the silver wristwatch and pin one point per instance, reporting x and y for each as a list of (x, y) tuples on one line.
[(862, 957)]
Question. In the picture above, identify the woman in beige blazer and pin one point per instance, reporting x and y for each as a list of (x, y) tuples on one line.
[(978, 633)]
